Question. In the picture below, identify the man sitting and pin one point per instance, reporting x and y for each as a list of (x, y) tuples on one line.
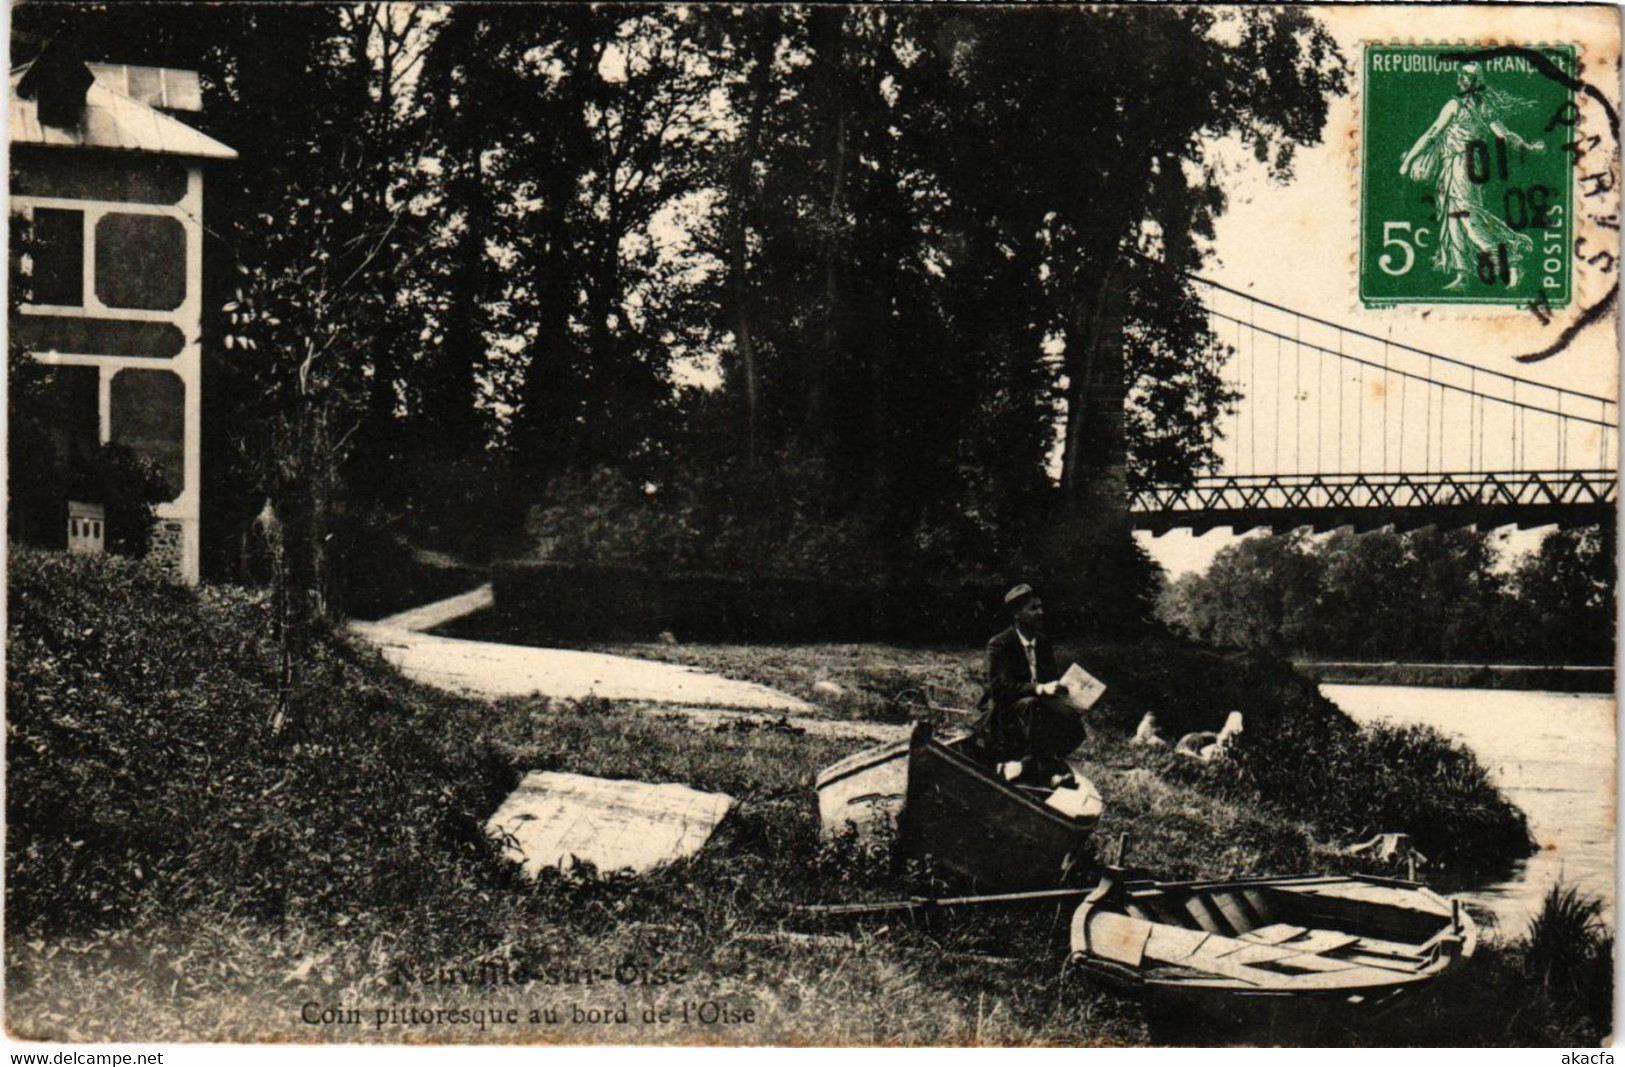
[(1029, 728)]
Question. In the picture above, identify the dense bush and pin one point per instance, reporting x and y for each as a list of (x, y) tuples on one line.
[(782, 518), (142, 773), (378, 572), (1386, 778), (846, 574), (570, 603), (1192, 688), (1302, 756), (1569, 953)]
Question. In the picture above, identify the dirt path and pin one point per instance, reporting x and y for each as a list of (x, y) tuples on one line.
[(488, 669), (428, 616)]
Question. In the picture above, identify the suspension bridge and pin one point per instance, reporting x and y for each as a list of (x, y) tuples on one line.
[(1335, 427)]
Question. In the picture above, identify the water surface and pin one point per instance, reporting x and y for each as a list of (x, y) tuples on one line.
[(1553, 756)]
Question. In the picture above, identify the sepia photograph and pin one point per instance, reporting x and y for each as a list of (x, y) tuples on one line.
[(811, 524)]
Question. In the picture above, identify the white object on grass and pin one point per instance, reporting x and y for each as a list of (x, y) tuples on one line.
[(556, 820)]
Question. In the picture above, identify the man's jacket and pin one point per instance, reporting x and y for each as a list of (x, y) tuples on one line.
[(1008, 679)]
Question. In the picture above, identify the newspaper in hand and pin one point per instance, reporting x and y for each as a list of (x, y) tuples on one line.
[(1082, 688)]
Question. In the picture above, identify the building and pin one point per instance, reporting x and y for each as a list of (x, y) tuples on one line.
[(113, 187)]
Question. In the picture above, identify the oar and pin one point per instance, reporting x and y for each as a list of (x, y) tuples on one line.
[(885, 907)]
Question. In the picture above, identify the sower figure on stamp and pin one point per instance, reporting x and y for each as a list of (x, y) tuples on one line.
[(1469, 230), (1029, 728)]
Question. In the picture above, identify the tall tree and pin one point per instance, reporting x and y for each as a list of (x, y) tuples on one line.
[(1105, 120), (619, 98)]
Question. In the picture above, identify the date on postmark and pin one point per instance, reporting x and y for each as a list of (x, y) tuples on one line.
[(1466, 193)]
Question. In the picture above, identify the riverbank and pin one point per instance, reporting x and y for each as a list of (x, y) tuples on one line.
[(1568, 678), (1552, 754), (177, 872)]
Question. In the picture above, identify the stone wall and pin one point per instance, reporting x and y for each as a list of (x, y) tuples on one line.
[(168, 537)]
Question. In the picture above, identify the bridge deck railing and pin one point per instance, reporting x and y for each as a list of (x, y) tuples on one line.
[(1322, 492)]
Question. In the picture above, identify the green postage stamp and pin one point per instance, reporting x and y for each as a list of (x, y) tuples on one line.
[(1466, 185)]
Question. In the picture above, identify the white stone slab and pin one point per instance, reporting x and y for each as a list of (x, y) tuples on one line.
[(556, 819)]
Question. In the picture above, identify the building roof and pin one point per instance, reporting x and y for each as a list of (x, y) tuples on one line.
[(114, 121)]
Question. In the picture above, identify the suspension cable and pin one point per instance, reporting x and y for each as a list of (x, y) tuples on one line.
[(1340, 391), (1372, 337), (1385, 391), (1277, 433), (1297, 400)]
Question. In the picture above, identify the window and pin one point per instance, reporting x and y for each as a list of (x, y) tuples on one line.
[(140, 261), (58, 251), (149, 416)]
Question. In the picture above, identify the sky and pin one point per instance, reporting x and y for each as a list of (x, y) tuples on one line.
[(1295, 244)]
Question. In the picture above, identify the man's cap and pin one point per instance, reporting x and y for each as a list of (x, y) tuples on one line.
[(1014, 597)]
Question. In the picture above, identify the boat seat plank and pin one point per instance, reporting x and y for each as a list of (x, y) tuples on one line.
[(1260, 903), (1310, 961), (1207, 916), (1249, 953), (1225, 954), (1118, 937), (1274, 934), (1388, 896), (1235, 911), (1378, 947), (1261, 965), (1387, 963), (1266, 967)]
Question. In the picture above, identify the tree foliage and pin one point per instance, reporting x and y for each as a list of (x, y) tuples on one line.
[(885, 248), (1565, 594)]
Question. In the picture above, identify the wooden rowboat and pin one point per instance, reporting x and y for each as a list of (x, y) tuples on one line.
[(946, 804), (967, 819), (1353, 941), (864, 793)]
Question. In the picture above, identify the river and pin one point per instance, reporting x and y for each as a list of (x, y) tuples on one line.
[(1553, 756)]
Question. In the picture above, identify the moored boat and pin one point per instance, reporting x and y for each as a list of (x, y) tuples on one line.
[(1354, 941), (1000, 835), (863, 793), (947, 804)]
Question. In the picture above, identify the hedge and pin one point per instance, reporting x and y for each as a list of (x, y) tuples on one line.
[(544, 600)]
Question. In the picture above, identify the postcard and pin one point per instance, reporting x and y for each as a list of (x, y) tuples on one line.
[(577, 525)]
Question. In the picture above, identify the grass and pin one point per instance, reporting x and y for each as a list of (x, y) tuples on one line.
[(192, 878), (1300, 756), (1569, 952)]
